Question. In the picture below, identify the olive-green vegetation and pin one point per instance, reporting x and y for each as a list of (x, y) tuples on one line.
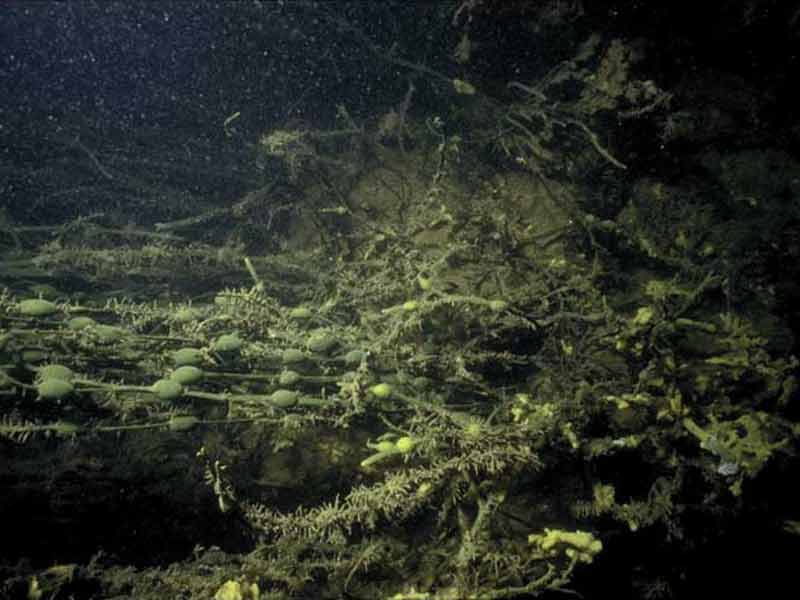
[(492, 371)]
